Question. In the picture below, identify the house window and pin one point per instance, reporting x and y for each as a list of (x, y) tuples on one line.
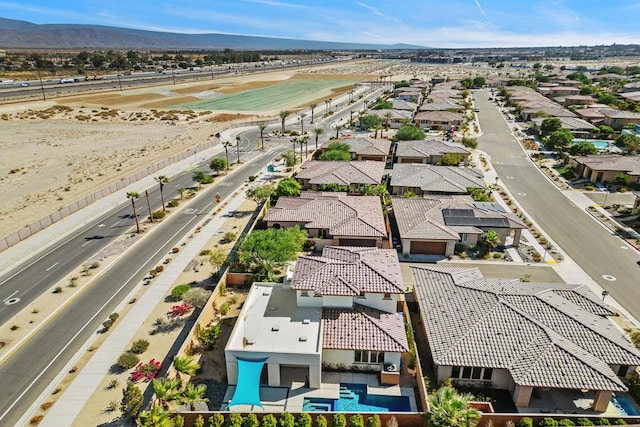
[(362, 295), (304, 293), (366, 356), (471, 373), (622, 370), (387, 295), (463, 238)]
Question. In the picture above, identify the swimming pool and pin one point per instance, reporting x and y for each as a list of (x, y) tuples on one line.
[(354, 398), (600, 144), (623, 406)]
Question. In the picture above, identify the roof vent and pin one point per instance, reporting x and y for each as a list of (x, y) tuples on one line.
[(249, 341), (303, 338), (265, 293), (273, 308), (275, 328), (306, 321)]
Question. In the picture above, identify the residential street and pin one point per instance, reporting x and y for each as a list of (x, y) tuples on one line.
[(595, 249)]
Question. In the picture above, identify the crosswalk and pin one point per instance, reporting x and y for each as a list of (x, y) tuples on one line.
[(190, 211)]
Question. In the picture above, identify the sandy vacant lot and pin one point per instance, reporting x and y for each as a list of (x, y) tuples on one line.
[(57, 152)]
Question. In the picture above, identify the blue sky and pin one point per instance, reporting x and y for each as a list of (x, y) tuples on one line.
[(434, 23)]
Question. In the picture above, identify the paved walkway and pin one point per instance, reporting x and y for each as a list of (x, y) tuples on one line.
[(87, 380)]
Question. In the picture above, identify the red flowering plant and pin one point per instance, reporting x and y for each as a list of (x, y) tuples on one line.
[(179, 309), (146, 371)]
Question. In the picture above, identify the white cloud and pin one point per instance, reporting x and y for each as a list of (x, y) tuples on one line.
[(377, 12)]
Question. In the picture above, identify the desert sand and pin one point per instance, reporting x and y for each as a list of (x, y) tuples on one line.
[(59, 151)]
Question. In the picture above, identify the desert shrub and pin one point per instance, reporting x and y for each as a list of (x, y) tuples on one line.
[(216, 420), (224, 308), (584, 422), (139, 346), (46, 405), (603, 422), (252, 178), (548, 422), (356, 420), (250, 421), (57, 290), (287, 420), (131, 400), (536, 257), (525, 422), (178, 291), (114, 316), (338, 420), (304, 420), (619, 422), (199, 421), (269, 421), (34, 421), (374, 421), (206, 252), (459, 248), (158, 214), (173, 204), (159, 269), (127, 360), (566, 422), (196, 297), (229, 237), (208, 336), (497, 255), (107, 324)]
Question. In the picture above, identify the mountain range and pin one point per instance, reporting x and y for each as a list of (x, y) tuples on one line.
[(16, 34)]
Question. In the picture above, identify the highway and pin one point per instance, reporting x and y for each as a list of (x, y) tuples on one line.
[(51, 87), (602, 255), (28, 371)]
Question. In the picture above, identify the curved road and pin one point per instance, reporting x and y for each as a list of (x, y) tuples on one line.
[(595, 249)]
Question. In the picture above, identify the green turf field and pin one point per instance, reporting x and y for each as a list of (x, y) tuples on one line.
[(280, 95)]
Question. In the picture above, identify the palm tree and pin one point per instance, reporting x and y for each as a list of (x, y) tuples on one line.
[(185, 365), (634, 336), (302, 116), (448, 408), (283, 115), (133, 196), (294, 141), (387, 117), (302, 141), (318, 132), (378, 127), (162, 180), (491, 239), (146, 193), (226, 146), (238, 147), (338, 128), (261, 128), (313, 106), (165, 390), (192, 394)]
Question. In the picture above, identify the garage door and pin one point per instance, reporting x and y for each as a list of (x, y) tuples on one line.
[(357, 242), (430, 248)]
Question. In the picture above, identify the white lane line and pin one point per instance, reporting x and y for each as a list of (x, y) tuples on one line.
[(115, 224), (53, 266), (86, 243), (9, 297)]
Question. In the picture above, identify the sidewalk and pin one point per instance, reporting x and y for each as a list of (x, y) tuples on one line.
[(71, 402), (52, 236)]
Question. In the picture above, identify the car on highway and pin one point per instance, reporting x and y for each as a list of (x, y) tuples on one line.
[(24, 84)]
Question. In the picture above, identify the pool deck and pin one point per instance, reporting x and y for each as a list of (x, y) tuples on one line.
[(291, 398)]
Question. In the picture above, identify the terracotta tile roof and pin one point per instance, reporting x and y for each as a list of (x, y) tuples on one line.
[(366, 146), (440, 179), (571, 123), (620, 114), (428, 148), (446, 217), (363, 328), (546, 335), (612, 162), (349, 271), (443, 104), (439, 116), (358, 216), (401, 104), (343, 173)]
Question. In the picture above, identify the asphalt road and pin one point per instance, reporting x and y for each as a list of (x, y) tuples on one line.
[(53, 88), (27, 372), (595, 249)]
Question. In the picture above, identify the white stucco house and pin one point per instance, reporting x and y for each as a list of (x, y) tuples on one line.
[(338, 311)]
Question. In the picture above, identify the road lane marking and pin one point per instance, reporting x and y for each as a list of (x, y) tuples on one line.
[(190, 211), (86, 243), (113, 226), (53, 266), (101, 225), (9, 297), (609, 277)]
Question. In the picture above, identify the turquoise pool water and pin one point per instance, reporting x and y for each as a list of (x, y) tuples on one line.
[(600, 144), (623, 406), (354, 398)]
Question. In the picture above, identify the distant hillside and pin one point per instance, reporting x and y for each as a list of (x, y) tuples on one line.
[(26, 35)]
